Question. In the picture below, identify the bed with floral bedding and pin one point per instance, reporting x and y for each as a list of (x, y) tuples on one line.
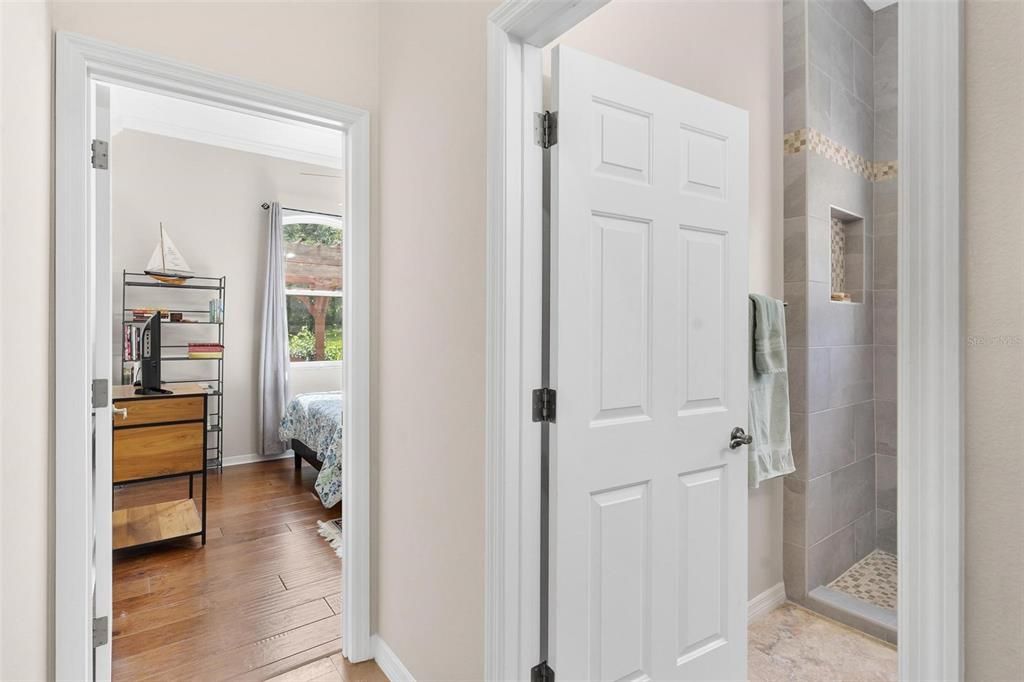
[(313, 423)]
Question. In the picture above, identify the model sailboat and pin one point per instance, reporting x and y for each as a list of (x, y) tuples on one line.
[(167, 265)]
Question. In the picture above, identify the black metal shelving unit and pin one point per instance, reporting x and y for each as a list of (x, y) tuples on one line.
[(201, 319)]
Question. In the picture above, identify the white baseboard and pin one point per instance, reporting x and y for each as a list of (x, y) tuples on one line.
[(388, 662), (768, 600), (235, 460)]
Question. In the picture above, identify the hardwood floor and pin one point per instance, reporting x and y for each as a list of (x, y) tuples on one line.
[(261, 599)]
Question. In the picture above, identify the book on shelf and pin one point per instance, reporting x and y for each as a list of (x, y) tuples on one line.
[(131, 343), (216, 310), (205, 351)]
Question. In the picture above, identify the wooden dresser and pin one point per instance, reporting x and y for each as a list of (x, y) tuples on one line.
[(157, 437)]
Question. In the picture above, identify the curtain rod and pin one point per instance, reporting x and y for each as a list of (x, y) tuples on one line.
[(266, 206)]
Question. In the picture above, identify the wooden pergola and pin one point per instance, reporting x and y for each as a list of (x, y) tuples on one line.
[(318, 268)]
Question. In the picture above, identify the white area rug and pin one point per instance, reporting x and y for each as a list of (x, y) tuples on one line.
[(331, 531)]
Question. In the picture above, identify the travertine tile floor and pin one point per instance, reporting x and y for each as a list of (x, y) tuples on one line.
[(789, 644), (795, 645)]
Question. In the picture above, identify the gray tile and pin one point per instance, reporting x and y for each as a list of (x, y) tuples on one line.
[(829, 184), (886, 148), (885, 261), (885, 317), (797, 373), (842, 59), (885, 197), (887, 119), (855, 266), (864, 429), (821, 34), (794, 101), (794, 28), (853, 492), (796, 313), (885, 427), (864, 75), (819, 99), (794, 174), (829, 441), (886, 64), (885, 29), (794, 571), (885, 372), (886, 531), (818, 379), (853, 121), (827, 559), (885, 223), (798, 440), (863, 321), (855, 17), (885, 482), (794, 511), (863, 536), (828, 323), (851, 370), (819, 241), (794, 249), (872, 620), (819, 508)]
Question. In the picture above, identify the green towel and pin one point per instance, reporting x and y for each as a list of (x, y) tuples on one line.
[(771, 452), (768, 329)]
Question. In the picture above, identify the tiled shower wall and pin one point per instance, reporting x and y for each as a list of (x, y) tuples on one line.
[(886, 226), (830, 516)]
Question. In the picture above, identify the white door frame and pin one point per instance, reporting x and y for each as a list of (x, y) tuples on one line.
[(81, 60), (930, 402)]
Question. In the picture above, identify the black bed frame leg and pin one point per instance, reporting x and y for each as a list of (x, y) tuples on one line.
[(298, 458)]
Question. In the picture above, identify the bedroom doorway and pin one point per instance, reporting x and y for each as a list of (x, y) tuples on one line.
[(220, 568)]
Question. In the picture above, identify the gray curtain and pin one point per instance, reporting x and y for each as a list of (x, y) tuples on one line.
[(273, 385)]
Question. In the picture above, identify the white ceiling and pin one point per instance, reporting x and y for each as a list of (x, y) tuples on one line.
[(148, 112), (876, 5)]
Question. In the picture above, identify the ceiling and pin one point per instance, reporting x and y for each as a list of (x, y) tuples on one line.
[(876, 5), (149, 112)]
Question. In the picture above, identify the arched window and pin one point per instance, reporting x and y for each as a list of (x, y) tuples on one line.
[(314, 248)]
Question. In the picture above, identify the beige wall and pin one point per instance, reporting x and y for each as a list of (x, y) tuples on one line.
[(994, 251), (209, 200), (731, 51), (26, 399), (430, 506), (324, 49)]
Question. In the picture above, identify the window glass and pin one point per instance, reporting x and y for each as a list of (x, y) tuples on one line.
[(313, 284)]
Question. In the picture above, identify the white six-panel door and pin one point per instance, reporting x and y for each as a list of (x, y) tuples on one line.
[(649, 350)]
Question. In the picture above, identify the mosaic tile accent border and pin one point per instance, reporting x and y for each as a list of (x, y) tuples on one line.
[(838, 256), (872, 579), (810, 139)]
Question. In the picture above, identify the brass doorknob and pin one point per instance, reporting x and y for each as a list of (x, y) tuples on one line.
[(739, 437)]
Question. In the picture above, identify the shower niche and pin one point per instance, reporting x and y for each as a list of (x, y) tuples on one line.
[(847, 259)]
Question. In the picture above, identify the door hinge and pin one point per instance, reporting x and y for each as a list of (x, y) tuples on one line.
[(100, 393), (545, 129), (100, 632), (542, 672), (100, 154), (545, 401)]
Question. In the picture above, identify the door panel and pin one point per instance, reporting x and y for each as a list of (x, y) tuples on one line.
[(621, 281), (620, 567), (649, 357)]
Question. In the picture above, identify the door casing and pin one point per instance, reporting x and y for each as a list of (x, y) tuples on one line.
[(81, 61), (930, 532)]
